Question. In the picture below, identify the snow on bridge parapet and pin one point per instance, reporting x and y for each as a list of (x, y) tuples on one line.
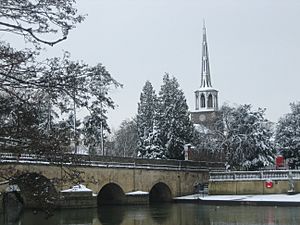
[(111, 162), (255, 175)]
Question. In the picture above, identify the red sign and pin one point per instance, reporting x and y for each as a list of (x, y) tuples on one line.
[(269, 184)]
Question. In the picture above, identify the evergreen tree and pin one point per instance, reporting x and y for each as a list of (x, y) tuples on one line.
[(93, 133), (154, 148), (174, 125), (146, 119), (288, 133)]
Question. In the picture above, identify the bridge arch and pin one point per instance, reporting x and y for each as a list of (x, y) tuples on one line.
[(160, 192), (36, 190), (111, 194)]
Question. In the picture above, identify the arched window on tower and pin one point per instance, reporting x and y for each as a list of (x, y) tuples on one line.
[(210, 101), (197, 100), (202, 99), (215, 101)]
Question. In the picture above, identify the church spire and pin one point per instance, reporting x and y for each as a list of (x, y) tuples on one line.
[(206, 97), (205, 72)]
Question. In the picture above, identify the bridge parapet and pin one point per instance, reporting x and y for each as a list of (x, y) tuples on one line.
[(112, 162)]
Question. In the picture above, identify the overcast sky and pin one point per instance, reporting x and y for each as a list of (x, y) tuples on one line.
[(254, 48)]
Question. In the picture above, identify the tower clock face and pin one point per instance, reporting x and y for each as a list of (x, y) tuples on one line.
[(202, 118)]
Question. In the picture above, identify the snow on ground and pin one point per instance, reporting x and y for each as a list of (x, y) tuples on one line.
[(248, 198), (78, 188), (137, 193)]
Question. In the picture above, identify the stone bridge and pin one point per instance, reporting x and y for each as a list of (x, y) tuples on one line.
[(109, 178)]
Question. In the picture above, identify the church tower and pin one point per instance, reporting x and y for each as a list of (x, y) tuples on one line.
[(206, 97)]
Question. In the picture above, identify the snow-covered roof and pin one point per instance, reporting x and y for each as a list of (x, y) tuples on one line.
[(206, 89), (78, 188), (137, 193)]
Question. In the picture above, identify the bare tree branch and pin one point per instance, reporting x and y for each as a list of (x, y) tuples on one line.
[(29, 31)]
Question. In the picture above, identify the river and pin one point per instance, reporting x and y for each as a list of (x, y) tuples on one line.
[(164, 214)]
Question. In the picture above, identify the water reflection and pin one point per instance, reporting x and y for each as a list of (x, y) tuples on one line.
[(250, 215), (164, 214), (161, 212), (111, 214)]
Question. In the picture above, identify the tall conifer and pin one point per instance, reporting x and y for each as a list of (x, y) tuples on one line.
[(175, 126), (145, 120)]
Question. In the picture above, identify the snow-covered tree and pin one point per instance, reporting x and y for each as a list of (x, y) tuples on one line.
[(288, 133), (174, 125), (39, 21), (126, 139), (246, 138), (97, 100), (50, 87), (33, 88), (207, 144), (153, 146), (64, 86), (93, 133), (146, 118)]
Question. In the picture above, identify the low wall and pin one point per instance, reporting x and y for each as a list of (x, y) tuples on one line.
[(77, 200), (253, 182), (249, 187)]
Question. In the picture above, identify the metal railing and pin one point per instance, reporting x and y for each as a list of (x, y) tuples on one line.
[(255, 175)]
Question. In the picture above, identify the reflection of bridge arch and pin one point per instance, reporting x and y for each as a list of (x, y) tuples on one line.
[(36, 190), (160, 192), (112, 214), (111, 194)]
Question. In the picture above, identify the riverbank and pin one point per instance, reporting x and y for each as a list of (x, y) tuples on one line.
[(263, 200)]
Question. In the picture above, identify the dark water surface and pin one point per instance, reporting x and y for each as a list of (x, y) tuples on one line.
[(170, 214)]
